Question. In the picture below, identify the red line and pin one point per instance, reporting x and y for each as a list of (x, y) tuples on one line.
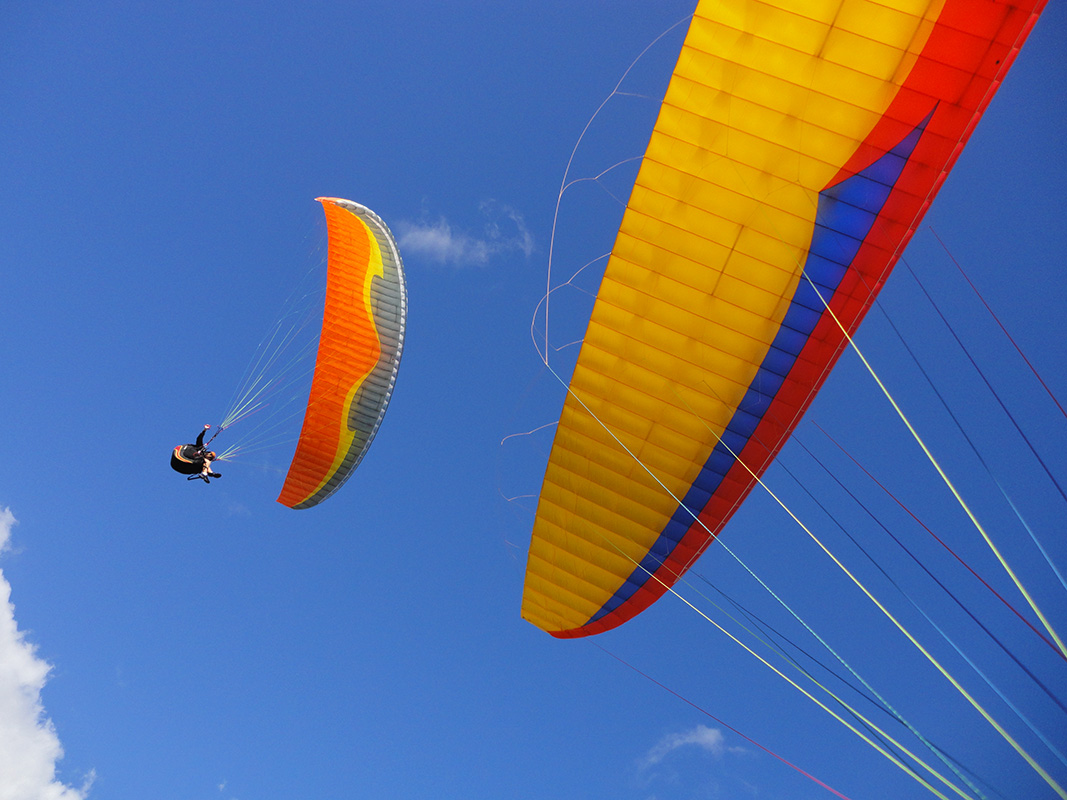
[(938, 539), (997, 320)]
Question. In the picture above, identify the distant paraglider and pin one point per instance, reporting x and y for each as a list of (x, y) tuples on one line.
[(358, 348), (195, 459)]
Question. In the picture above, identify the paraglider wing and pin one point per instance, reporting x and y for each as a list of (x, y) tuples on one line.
[(797, 148), (358, 356)]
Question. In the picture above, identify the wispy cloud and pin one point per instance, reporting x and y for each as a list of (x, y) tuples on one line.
[(29, 746), (694, 763), (702, 737), (503, 230)]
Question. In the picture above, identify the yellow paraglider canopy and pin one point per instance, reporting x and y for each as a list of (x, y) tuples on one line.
[(796, 150)]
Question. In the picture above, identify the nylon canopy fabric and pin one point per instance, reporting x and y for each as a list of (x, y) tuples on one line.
[(358, 356), (796, 150)]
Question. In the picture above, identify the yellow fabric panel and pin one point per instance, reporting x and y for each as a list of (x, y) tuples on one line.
[(768, 100)]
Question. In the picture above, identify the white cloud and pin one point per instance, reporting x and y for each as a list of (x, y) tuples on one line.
[(504, 231), (29, 746), (703, 737)]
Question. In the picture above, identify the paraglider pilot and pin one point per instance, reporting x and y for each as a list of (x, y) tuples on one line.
[(194, 460)]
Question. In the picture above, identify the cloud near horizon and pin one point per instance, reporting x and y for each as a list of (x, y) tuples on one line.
[(29, 746), (504, 231)]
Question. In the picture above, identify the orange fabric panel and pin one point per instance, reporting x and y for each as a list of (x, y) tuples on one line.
[(348, 350)]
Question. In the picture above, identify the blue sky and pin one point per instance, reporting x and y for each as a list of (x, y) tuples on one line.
[(159, 164)]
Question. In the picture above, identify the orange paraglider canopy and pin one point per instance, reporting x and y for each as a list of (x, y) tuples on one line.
[(358, 356)]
